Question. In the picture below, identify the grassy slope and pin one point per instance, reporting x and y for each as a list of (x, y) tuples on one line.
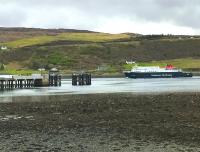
[(19, 72), (13, 34), (67, 52), (92, 37)]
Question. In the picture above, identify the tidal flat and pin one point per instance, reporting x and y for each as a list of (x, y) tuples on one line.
[(123, 122)]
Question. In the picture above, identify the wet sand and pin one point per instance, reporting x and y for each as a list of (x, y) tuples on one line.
[(103, 122)]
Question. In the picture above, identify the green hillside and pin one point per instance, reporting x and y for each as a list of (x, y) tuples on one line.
[(88, 37), (85, 50)]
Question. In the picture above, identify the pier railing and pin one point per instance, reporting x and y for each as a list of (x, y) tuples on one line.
[(11, 83)]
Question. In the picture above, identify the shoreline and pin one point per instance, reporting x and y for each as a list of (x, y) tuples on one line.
[(61, 97)]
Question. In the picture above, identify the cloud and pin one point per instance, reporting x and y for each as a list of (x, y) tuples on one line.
[(139, 16)]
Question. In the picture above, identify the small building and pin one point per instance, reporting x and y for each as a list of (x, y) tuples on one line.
[(4, 48), (130, 62)]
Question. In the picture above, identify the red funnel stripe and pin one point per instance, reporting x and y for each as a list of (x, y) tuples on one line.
[(170, 67)]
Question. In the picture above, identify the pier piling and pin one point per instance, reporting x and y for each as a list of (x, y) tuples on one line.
[(54, 77), (81, 79)]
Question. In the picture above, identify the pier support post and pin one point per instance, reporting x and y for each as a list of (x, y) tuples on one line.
[(54, 77), (81, 79)]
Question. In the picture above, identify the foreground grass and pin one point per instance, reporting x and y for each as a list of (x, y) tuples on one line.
[(91, 37)]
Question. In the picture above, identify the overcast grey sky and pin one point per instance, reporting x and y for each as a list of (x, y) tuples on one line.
[(113, 16)]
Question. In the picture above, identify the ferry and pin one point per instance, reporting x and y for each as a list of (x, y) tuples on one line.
[(156, 72)]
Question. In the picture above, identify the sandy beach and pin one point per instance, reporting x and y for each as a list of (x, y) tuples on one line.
[(121, 122)]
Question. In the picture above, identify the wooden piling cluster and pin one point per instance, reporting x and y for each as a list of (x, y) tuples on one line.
[(54, 78), (81, 79)]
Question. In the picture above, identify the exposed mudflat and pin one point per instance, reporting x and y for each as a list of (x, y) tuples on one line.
[(103, 122)]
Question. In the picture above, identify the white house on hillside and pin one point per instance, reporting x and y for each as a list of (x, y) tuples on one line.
[(4, 48), (130, 62)]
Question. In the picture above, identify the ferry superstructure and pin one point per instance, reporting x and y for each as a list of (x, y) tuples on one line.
[(156, 72)]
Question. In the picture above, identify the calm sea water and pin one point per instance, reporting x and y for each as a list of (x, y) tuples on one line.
[(114, 85)]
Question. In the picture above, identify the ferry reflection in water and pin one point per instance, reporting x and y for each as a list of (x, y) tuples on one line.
[(114, 85)]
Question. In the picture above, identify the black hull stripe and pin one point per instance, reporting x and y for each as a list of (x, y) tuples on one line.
[(157, 74)]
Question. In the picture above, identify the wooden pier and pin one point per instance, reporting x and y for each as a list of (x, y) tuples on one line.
[(35, 80), (81, 79), (19, 82)]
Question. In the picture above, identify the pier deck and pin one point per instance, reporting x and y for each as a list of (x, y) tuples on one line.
[(20, 82), (9, 82)]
